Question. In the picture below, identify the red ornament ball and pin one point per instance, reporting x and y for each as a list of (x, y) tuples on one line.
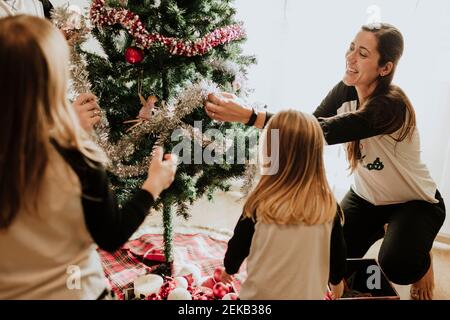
[(134, 55), (230, 296), (189, 278), (220, 289), (218, 274), (166, 288), (153, 296), (209, 282)]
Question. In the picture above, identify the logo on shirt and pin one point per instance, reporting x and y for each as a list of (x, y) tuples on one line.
[(376, 165)]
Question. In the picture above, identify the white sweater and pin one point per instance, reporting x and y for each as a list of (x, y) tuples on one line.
[(11, 7), (296, 259)]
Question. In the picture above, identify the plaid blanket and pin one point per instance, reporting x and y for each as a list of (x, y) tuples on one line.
[(131, 261)]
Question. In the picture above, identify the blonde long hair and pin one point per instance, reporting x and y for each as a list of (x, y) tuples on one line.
[(33, 87), (299, 192)]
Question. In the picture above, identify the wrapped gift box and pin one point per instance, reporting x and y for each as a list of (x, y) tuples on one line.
[(366, 281)]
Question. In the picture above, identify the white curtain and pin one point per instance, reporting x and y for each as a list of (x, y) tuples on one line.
[(300, 46)]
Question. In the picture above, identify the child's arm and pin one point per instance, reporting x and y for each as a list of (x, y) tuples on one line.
[(88, 110), (334, 100), (338, 250), (239, 245), (109, 225)]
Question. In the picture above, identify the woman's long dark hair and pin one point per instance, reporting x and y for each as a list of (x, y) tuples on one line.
[(390, 48)]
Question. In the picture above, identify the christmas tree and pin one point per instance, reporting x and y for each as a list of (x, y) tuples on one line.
[(160, 60)]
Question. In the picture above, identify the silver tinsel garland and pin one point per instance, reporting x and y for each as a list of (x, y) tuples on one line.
[(250, 175), (163, 122), (76, 30), (233, 69)]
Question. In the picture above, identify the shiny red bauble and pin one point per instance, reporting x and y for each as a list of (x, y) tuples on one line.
[(134, 55), (220, 289), (218, 274)]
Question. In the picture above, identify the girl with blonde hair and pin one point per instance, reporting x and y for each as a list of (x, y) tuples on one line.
[(287, 221), (55, 200)]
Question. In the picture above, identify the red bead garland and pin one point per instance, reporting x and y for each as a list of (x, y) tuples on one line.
[(101, 16)]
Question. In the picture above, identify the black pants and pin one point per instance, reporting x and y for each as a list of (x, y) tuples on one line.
[(413, 226)]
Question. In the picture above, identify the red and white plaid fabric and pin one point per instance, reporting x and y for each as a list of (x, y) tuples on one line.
[(125, 265)]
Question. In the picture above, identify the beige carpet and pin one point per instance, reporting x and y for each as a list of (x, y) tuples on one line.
[(220, 216)]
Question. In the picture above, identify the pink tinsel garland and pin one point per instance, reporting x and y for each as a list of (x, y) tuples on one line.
[(101, 16)]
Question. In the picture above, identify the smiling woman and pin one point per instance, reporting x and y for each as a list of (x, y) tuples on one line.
[(362, 63), (371, 62), (376, 121)]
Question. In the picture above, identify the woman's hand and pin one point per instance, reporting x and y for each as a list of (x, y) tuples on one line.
[(226, 278), (161, 173), (337, 290), (88, 110), (227, 107)]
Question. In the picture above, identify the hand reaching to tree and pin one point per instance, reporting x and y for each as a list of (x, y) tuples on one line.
[(88, 110), (161, 172), (227, 107)]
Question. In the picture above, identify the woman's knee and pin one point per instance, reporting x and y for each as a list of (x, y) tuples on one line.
[(402, 268)]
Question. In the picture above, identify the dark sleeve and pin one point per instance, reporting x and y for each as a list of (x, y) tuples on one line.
[(239, 245), (109, 225), (48, 7), (334, 100), (380, 116), (268, 116), (338, 251)]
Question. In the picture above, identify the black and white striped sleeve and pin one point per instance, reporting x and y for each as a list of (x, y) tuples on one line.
[(334, 100), (380, 116)]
